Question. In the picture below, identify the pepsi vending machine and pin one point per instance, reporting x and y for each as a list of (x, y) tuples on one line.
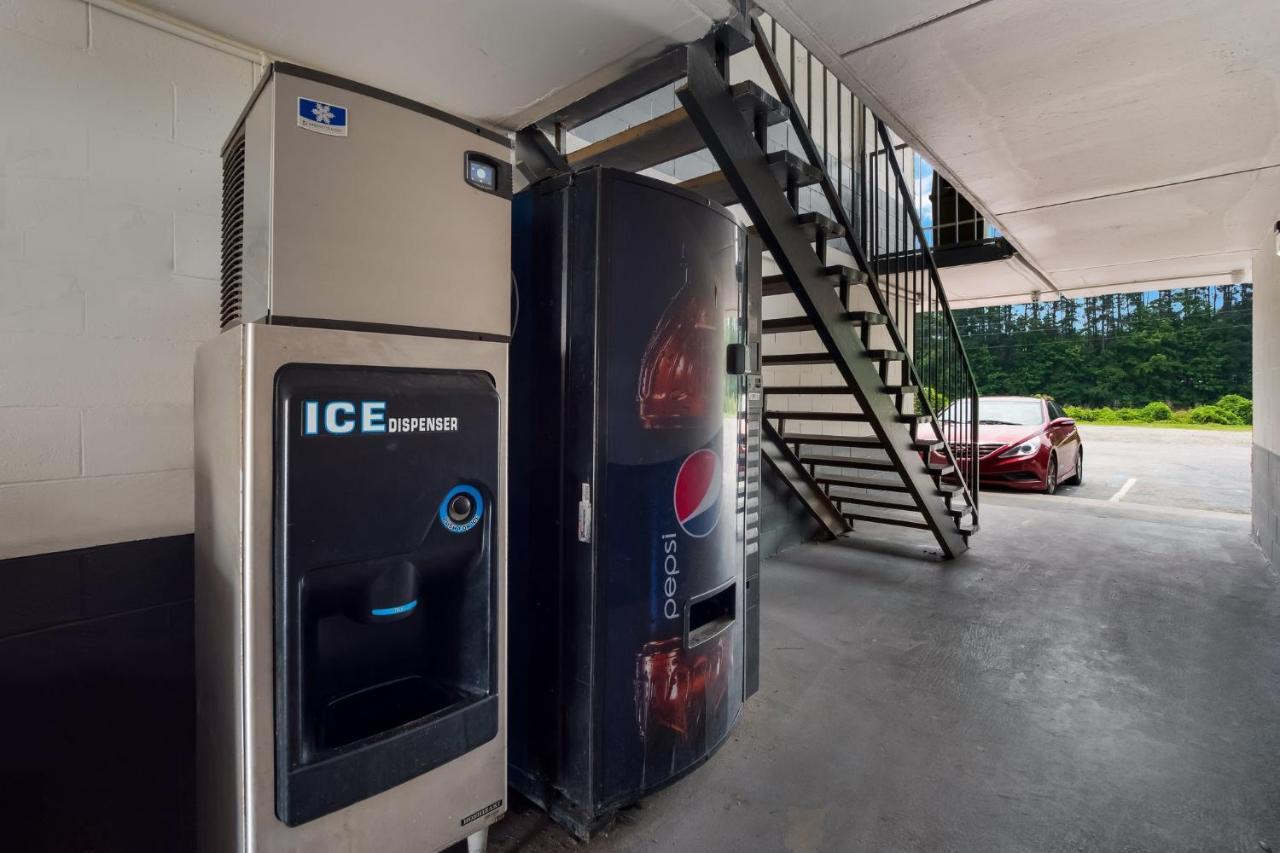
[(635, 489)]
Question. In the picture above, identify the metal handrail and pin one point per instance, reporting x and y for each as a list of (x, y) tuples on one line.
[(941, 293), (765, 46)]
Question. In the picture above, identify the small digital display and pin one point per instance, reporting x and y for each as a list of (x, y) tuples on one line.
[(482, 174)]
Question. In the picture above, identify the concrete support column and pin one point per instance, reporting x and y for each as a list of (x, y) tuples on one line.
[(1266, 397)]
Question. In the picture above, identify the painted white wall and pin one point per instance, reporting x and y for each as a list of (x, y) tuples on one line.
[(110, 194), (1266, 344)]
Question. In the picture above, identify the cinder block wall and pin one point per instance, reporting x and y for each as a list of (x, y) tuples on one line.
[(1266, 396), (109, 256)]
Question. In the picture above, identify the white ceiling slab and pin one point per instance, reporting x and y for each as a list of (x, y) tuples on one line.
[(850, 26), (1187, 220), (503, 62), (1039, 102), (1110, 140)]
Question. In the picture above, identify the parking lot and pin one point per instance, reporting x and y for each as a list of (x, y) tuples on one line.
[(1177, 468)]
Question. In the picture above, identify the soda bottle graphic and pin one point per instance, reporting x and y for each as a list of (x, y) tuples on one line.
[(680, 397), (681, 374)]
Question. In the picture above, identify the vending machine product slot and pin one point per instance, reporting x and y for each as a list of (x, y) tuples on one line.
[(711, 614)]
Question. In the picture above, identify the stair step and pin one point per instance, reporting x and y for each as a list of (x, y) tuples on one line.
[(844, 417), (865, 442), (867, 500), (883, 519), (864, 500), (804, 324), (806, 389), (860, 463), (886, 354), (787, 324), (939, 469), (715, 186), (901, 389), (797, 358), (868, 442), (777, 285), (669, 135), (860, 482), (943, 489), (812, 222), (913, 419)]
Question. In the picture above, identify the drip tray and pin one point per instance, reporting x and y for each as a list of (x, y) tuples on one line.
[(382, 707)]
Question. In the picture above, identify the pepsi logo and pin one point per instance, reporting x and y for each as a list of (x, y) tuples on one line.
[(697, 493)]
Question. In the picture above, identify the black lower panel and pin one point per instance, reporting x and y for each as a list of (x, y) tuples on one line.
[(99, 722)]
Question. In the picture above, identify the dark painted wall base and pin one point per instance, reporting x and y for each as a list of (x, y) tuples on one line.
[(1266, 502), (98, 710), (98, 705)]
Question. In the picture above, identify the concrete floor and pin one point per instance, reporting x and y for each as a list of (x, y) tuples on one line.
[(1091, 676)]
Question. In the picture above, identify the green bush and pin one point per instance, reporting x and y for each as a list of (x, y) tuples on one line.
[(1212, 415), (936, 398), (1231, 409), (1157, 411), (1240, 407)]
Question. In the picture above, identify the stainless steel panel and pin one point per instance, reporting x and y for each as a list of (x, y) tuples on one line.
[(219, 589), (234, 398), (379, 226)]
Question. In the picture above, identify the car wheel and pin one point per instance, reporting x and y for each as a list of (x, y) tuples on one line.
[(1078, 477), (1051, 476)]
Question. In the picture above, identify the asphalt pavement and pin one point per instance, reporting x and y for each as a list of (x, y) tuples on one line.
[(1186, 469)]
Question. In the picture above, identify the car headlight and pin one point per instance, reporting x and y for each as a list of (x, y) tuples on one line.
[(1027, 448)]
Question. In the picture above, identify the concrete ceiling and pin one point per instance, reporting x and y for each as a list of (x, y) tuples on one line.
[(1118, 144), (502, 62)]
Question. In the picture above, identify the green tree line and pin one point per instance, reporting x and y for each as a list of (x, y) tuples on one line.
[(1185, 347)]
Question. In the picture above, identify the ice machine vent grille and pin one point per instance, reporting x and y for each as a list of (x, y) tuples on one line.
[(232, 234)]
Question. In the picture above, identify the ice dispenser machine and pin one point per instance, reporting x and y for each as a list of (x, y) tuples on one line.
[(350, 479)]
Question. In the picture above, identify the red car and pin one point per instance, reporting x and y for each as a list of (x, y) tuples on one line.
[(1023, 443)]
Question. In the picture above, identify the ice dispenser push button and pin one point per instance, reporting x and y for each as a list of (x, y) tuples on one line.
[(461, 509)]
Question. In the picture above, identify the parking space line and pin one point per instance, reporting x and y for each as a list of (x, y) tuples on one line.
[(1124, 490)]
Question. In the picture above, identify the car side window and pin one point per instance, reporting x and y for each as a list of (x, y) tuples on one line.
[(1054, 411)]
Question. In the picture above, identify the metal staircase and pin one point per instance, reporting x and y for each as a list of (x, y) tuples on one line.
[(850, 417)]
